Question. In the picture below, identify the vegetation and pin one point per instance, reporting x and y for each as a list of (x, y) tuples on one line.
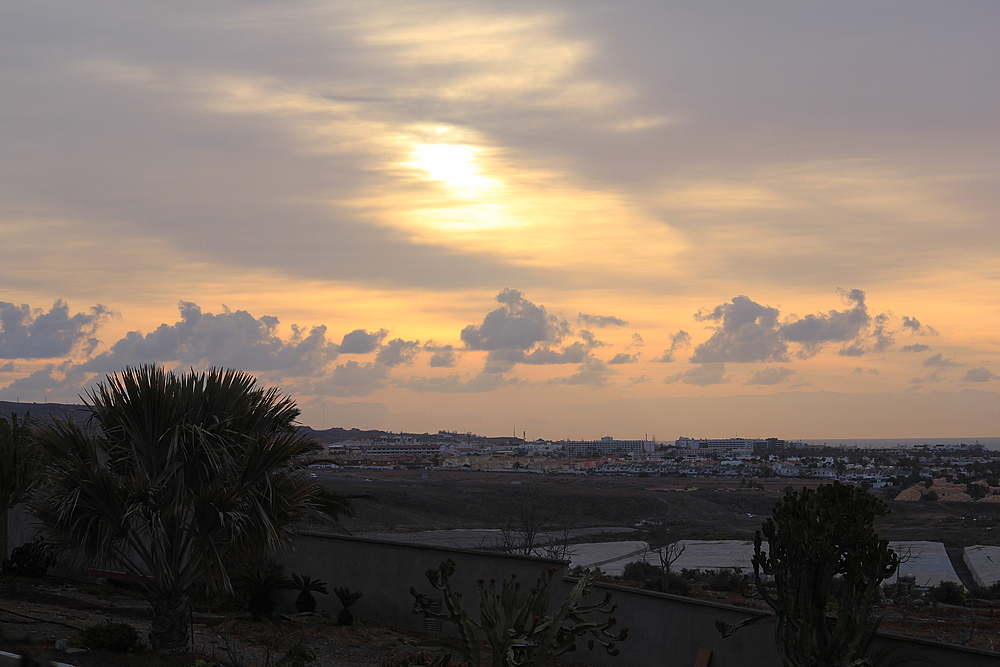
[(517, 624), (258, 585), (31, 559), (111, 636), (347, 598), (306, 586), (813, 537), (20, 467), (173, 476)]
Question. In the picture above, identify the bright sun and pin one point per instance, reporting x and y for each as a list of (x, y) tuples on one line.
[(454, 165)]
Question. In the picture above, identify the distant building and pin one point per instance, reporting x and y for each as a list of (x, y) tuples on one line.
[(607, 446)]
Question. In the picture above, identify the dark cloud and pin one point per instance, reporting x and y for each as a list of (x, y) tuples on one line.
[(453, 384), (747, 332), (852, 351), (233, 339), (442, 356), (678, 341), (642, 379), (398, 352), (979, 375), (938, 361), (770, 376), (517, 324), (600, 321), (702, 376), (27, 333), (623, 358), (361, 341), (916, 347), (858, 370)]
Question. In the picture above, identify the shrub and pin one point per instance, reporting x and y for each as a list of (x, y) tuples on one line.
[(111, 636), (306, 586), (347, 598), (297, 655), (948, 592), (31, 559)]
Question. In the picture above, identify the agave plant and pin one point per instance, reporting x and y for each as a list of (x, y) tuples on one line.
[(347, 598), (306, 586)]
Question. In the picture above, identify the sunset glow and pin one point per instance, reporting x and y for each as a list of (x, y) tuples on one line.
[(574, 219)]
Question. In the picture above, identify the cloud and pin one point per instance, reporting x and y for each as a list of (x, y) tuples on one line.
[(914, 326), (938, 361), (979, 375), (453, 384), (750, 332), (637, 340), (858, 370), (27, 333), (361, 341), (233, 339), (747, 332), (44, 384), (623, 358), (592, 372), (770, 376), (813, 331), (916, 347), (929, 378), (353, 379), (443, 356), (642, 379), (600, 321), (517, 324), (678, 341), (398, 352), (702, 376)]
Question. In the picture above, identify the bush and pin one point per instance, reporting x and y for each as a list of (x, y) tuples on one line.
[(31, 559), (651, 577), (948, 592), (111, 636)]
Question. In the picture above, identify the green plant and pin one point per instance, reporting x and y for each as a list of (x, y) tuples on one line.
[(297, 655), (347, 598), (175, 475), (31, 559), (517, 624), (111, 636), (813, 537), (306, 586)]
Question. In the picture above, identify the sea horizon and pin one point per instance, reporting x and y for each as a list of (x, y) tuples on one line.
[(878, 443)]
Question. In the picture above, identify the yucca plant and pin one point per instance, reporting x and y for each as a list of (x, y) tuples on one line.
[(347, 598), (306, 586)]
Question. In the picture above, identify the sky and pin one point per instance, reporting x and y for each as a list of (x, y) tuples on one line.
[(550, 219)]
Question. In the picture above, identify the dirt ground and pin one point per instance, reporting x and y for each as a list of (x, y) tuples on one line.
[(42, 618)]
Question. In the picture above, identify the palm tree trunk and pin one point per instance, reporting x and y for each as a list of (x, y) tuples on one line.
[(168, 633)]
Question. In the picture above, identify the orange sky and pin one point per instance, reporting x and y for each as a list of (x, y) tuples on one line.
[(568, 219)]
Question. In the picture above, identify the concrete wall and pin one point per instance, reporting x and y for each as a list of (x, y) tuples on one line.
[(665, 630)]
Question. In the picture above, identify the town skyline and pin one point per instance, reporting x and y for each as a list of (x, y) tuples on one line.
[(564, 218)]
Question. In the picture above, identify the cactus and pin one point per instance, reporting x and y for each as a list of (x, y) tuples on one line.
[(813, 537), (516, 623)]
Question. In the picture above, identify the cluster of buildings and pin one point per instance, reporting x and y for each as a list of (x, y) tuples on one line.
[(692, 457)]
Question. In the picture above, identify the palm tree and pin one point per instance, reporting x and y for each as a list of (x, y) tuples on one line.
[(173, 475), (20, 468)]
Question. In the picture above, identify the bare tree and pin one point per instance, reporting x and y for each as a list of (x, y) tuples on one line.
[(532, 523)]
